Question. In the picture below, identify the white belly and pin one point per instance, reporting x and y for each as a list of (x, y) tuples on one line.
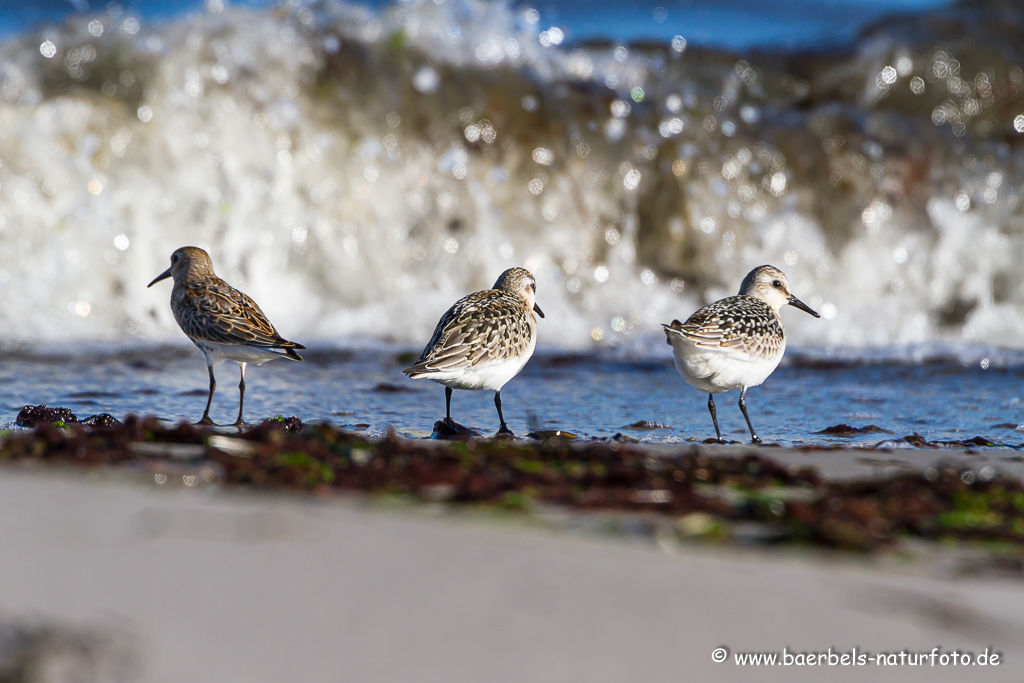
[(218, 353), (490, 375), (713, 370)]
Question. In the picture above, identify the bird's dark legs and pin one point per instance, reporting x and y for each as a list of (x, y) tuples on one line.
[(503, 429), (213, 386), (743, 407), (241, 398), (714, 416), (448, 407)]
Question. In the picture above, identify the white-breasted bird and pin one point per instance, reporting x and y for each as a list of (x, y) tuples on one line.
[(483, 340), (737, 342)]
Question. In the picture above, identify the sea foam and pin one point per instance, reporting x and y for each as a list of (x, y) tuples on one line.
[(356, 171)]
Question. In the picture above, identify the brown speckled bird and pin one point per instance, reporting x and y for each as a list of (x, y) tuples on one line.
[(223, 322), (484, 340), (736, 342)]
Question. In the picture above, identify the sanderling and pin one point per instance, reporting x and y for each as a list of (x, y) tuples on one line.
[(484, 340), (223, 322), (737, 342)]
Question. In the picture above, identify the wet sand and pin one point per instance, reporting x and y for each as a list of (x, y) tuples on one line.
[(229, 586), (178, 554)]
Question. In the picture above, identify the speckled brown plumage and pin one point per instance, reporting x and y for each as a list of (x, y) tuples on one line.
[(737, 342), (209, 309), (490, 325), (221, 321), (742, 323), (483, 341)]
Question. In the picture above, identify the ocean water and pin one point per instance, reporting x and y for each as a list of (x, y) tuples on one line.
[(357, 168), (588, 395), (729, 24)]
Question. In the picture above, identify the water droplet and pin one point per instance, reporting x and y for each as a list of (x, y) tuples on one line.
[(80, 308), (543, 156), (553, 36), (750, 114), (631, 180), (426, 80)]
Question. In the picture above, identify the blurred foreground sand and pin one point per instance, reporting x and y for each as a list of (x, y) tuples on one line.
[(206, 585)]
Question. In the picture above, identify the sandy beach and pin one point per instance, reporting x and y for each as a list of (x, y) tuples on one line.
[(201, 583)]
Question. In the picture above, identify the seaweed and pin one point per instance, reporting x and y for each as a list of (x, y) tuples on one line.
[(709, 496)]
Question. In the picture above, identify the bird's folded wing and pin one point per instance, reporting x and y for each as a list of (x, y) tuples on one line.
[(742, 324), (216, 312), (480, 327)]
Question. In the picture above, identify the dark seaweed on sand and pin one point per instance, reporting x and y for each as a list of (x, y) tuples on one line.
[(795, 503)]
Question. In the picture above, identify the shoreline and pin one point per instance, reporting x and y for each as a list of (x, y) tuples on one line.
[(156, 553), (852, 498)]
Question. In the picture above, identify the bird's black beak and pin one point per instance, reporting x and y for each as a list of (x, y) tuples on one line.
[(162, 276), (537, 309), (793, 301)]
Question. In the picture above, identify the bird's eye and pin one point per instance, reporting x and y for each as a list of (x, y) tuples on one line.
[(533, 286), (777, 285), (174, 259)]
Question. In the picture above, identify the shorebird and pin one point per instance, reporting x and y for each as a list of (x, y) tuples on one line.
[(223, 322), (483, 341), (737, 342)]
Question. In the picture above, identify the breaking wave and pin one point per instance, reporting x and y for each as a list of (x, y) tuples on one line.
[(356, 171)]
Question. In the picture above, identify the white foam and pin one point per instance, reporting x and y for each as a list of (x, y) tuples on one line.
[(346, 224)]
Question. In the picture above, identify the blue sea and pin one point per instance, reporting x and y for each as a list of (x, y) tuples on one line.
[(727, 24)]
